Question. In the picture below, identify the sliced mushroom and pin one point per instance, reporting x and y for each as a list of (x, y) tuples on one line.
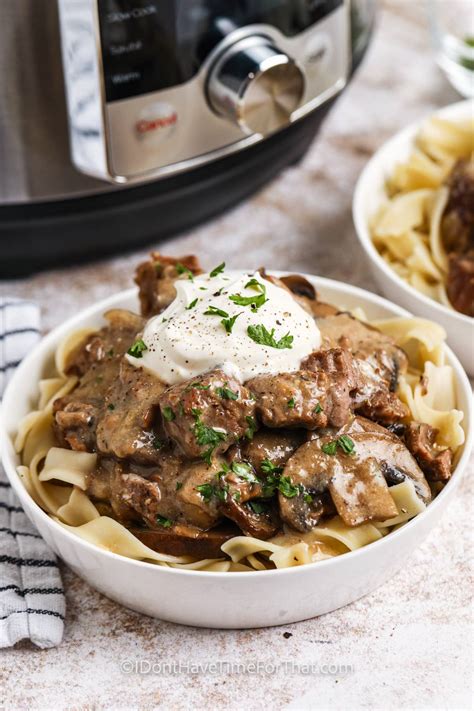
[(307, 297), (355, 480), (299, 285), (274, 446)]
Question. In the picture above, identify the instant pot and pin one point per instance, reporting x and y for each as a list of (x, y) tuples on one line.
[(123, 121)]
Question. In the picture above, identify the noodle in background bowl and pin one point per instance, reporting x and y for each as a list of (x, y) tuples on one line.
[(217, 599), (369, 195)]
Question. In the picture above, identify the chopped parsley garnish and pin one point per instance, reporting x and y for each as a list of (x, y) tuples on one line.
[(181, 269), (245, 472), (268, 467), (111, 406), (206, 436), (110, 353), (163, 521), (258, 507), (228, 323), (200, 386), (136, 350), (274, 482), (287, 488), (179, 485), (157, 443), (236, 495), (291, 403), (226, 393), (344, 442), (252, 427), (206, 491), (168, 413), (330, 447), (217, 270), (307, 498), (209, 490), (214, 311), (256, 300), (192, 304), (261, 335), (220, 492), (318, 409)]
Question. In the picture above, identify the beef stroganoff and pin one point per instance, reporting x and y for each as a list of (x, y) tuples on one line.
[(425, 228), (240, 423)]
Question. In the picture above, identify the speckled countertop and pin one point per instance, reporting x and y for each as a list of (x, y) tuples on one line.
[(408, 643)]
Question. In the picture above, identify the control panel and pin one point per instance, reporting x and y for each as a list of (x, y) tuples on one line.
[(158, 86)]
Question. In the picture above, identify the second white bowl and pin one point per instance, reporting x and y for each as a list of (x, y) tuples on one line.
[(368, 196)]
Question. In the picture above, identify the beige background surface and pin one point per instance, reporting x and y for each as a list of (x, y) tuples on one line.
[(409, 643)]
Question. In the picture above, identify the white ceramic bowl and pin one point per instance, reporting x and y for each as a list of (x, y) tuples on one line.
[(232, 600), (368, 196)]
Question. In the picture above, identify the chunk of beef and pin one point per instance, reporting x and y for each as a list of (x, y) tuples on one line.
[(338, 365), (377, 363), (309, 398), (457, 230), (111, 342), (207, 414), (196, 498), (182, 540), (273, 446), (355, 480), (382, 406), (176, 491), (457, 226), (155, 279), (126, 425), (255, 518), (75, 424), (436, 463), (97, 360), (291, 399), (460, 283)]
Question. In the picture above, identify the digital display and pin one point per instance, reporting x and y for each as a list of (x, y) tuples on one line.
[(148, 45)]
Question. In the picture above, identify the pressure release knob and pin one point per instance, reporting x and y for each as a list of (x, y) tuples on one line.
[(255, 85)]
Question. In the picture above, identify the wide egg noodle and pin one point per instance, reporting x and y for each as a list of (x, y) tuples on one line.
[(407, 502), (403, 213), (436, 245), (421, 339), (406, 228), (68, 466), (67, 345), (78, 510), (109, 534), (52, 388)]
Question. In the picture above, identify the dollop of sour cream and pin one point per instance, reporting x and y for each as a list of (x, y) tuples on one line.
[(190, 337)]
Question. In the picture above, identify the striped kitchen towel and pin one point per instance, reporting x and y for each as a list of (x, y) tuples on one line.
[(32, 603)]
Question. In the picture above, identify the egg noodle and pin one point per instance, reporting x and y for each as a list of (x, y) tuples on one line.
[(56, 478), (406, 229)]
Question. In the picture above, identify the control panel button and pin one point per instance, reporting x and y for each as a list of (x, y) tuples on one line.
[(156, 123), (255, 85)]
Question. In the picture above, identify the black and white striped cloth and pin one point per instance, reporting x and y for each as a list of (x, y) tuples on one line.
[(32, 604)]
